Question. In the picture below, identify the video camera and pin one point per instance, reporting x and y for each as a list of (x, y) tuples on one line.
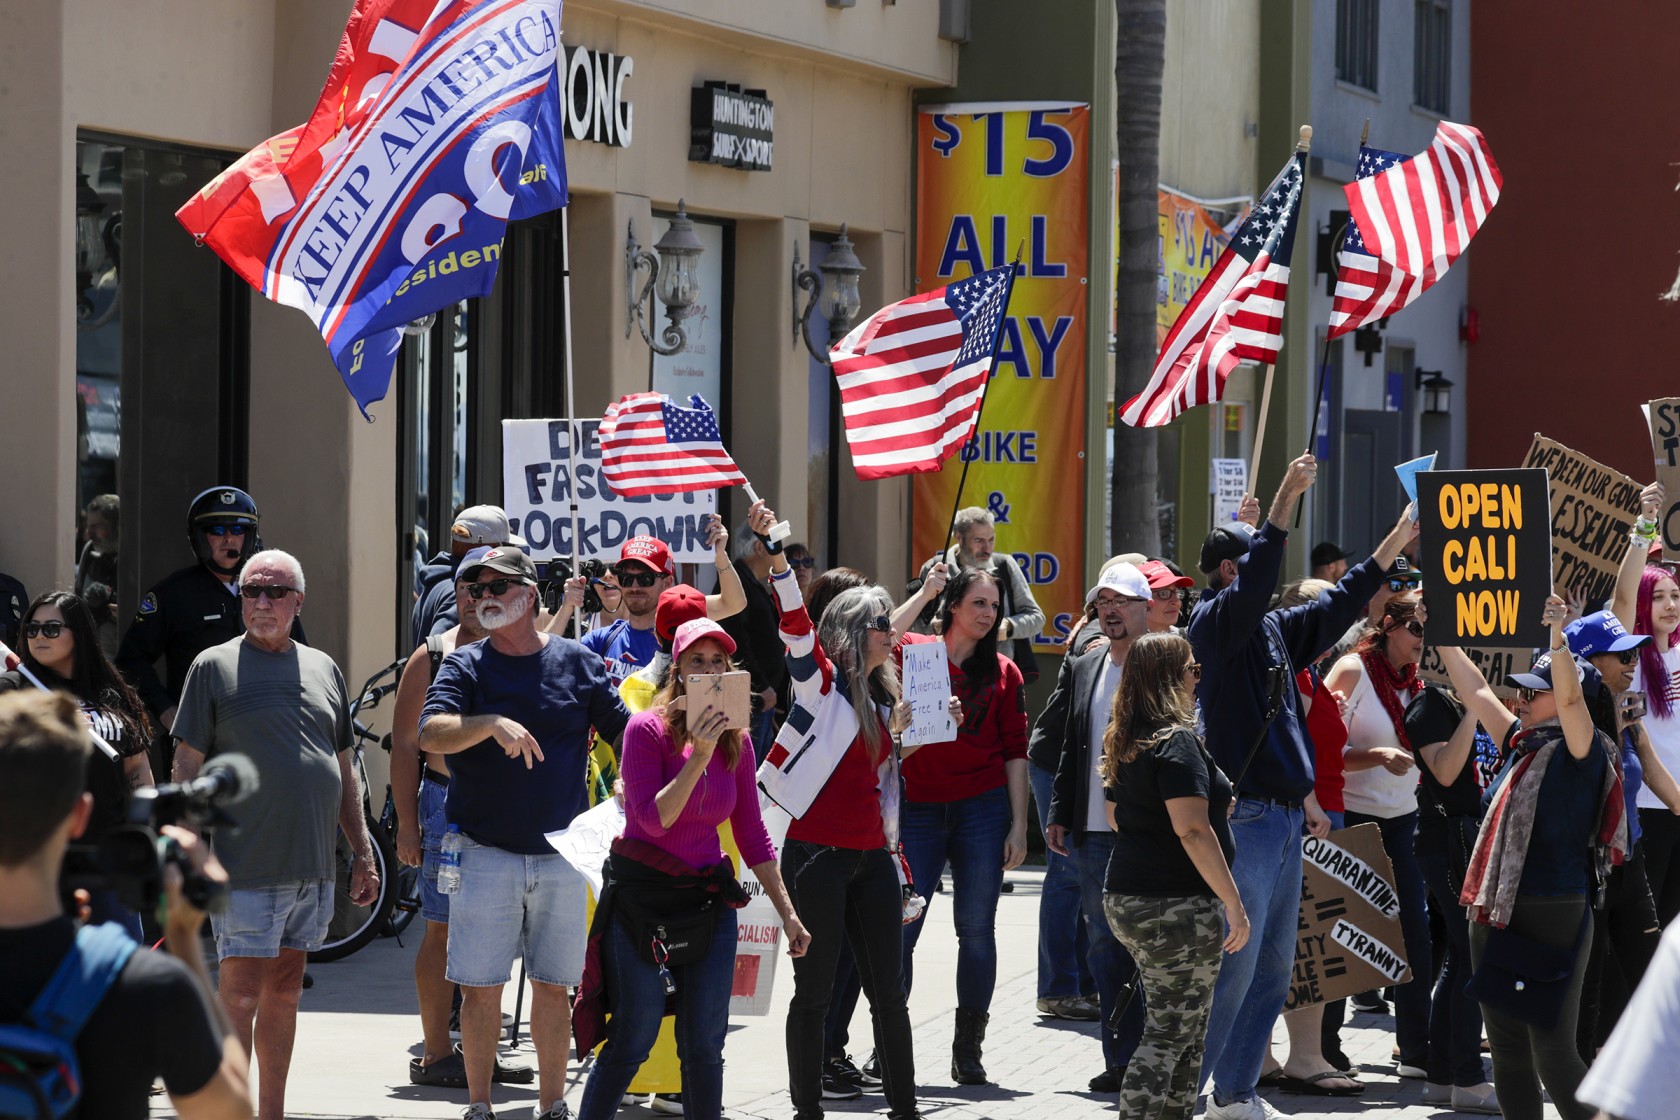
[(130, 859), (559, 571)]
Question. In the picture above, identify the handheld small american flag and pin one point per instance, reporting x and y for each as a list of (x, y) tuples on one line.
[(1411, 217), (912, 376), (1236, 314), (651, 445)]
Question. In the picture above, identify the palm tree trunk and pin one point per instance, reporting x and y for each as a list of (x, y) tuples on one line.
[(1139, 63)]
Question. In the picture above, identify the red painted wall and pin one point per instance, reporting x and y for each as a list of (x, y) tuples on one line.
[(1581, 105)]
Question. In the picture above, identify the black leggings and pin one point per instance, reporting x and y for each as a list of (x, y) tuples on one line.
[(1625, 938), (847, 896), (1661, 841), (1523, 1055)]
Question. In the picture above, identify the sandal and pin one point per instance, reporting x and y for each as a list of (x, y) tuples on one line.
[(1271, 1079), (1314, 1086)]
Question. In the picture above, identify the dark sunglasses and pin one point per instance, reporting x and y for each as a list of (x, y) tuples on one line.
[(1194, 667), (802, 561), (255, 591), (1414, 628), (1404, 583), (1627, 656), (1527, 695), (37, 629), (628, 577), (880, 622), (225, 530), (496, 587)]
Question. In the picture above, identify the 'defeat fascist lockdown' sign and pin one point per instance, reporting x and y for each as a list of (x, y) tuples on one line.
[(1486, 544), (1348, 939)]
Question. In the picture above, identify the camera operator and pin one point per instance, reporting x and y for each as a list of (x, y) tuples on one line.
[(159, 1018)]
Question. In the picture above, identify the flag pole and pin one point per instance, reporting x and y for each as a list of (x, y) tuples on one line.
[(1324, 353), (9, 661), (1304, 144), (962, 480), (573, 424)]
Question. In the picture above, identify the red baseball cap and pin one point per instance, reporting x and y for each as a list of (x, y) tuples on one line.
[(698, 629), (677, 605), (1159, 576), (650, 552)]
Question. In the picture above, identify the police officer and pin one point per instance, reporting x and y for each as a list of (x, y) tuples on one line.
[(196, 607)]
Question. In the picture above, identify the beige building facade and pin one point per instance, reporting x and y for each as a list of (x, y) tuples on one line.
[(138, 366)]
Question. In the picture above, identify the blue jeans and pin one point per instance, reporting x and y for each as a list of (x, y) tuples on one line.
[(1111, 965), (1254, 980), (1063, 943), (1455, 1018), (969, 835), (637, 997)]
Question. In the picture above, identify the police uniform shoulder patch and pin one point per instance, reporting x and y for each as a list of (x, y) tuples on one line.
[(148, 605)]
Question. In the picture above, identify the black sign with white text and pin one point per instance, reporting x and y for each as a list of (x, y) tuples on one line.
[(731, 127)]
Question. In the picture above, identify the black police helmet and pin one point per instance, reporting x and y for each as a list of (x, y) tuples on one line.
[(222, 505)]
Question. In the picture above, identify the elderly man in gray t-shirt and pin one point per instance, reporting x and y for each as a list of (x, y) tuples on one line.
[(284, 706)]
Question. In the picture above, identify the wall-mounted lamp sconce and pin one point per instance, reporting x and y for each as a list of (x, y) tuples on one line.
[(835, 284), (1436, 391), (671, 274)]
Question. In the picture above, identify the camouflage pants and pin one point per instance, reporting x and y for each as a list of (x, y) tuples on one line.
[(1176, 943)]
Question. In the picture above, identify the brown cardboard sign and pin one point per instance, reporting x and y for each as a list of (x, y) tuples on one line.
[(1496, 663), (1593, 507), (1665, 444), (1349, 938)]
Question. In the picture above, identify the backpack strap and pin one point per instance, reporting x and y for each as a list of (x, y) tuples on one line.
[(434, 650), (83, 977)]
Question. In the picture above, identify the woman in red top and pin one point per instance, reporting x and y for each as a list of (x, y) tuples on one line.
[(965, 802), (840, 872)]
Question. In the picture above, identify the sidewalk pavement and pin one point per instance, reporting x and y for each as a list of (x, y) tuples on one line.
[(358, 1028)]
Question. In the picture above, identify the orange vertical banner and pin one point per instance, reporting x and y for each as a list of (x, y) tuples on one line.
[(992, 179)]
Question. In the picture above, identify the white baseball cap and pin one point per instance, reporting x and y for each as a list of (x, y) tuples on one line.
[(1124, 579)]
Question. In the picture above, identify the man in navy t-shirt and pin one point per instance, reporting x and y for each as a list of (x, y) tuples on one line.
[(644, 570), (514, 713)]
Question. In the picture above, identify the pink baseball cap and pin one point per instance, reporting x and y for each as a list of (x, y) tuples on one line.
[(699, 629)]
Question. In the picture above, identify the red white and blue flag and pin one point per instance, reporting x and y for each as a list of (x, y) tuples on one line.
[(1410, 219), (652, 445), (913, 374), (438, 124), (1236, 314)]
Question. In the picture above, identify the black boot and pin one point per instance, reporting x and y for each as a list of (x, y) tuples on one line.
[(965, 1048)]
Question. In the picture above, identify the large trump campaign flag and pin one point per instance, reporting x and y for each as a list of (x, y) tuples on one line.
[(439, 122)]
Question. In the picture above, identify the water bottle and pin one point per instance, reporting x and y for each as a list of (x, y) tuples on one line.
[(449, 861)]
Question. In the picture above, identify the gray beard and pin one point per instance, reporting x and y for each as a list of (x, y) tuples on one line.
[(509, 612)]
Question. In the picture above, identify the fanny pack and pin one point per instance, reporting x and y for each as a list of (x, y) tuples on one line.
[(1524, 978), (668, 926)]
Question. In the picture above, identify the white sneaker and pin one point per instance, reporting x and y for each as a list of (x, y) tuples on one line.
[(1435, 1093), (1476, 1098), (1255, 1108)]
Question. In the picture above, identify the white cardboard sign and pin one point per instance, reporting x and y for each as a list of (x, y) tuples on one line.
[(927, 688)]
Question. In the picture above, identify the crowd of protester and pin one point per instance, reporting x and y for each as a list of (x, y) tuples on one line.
[(1189, 745)]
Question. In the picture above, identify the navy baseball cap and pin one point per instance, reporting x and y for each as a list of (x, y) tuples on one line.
[(1225, 542), (1601, 633), (467, 560), (1539, 676)]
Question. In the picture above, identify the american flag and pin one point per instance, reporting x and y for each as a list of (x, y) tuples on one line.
[(912, 376), (651, 445), (1236, 314), (1411, 218)]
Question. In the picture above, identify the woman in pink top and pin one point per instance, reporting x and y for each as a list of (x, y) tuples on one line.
[(681, 780)]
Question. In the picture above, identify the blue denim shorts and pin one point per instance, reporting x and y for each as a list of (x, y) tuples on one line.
[(434, 904), (261, 921), (512, 905)]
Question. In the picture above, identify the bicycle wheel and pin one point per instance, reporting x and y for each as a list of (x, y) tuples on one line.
[(354, 926)]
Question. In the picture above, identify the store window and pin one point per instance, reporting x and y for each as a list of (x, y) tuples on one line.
[(162, 336), (702, 365), (1356, 43), (1432, 55)]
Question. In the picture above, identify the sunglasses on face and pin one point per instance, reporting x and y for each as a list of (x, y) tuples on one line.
[(225, 530), (1527, 695), (1627, 656), (38, 629), (255, 591), (1194, 668), (496, 587), (880, 623), (1414, 628), (802, 561), (1404, 583), (635, 578)]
